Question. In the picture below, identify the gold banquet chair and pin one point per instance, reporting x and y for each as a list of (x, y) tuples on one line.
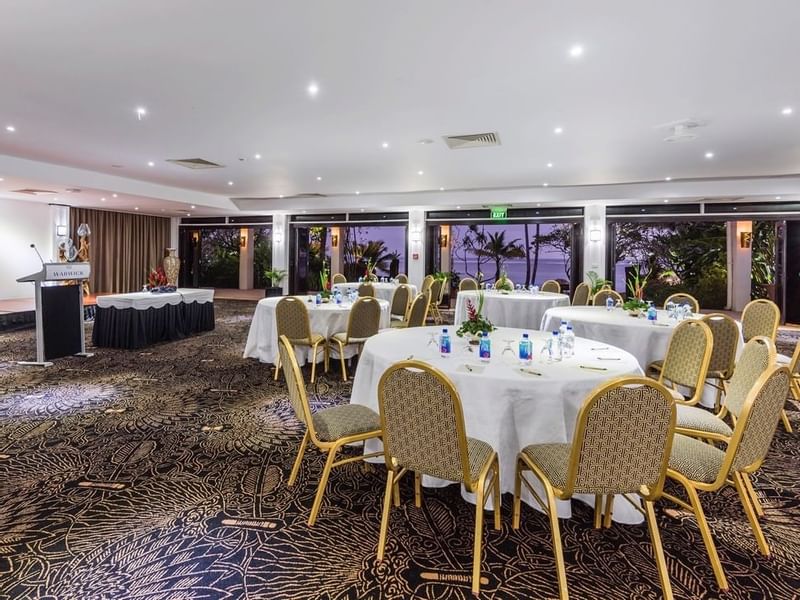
[(682, 298), (551, 285), (794, 369), (600, 297), (467, 284), (417, 314), (363, 323), (291, 320), (366, 290), (581, 295), (621, 445), (436, 292), (402, 278), (701, 467), (760, 317), (427, 282), (686, 362), (401, 299), (424, 433), (338, 278), (328, 429)]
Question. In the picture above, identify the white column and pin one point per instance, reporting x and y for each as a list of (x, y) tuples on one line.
[(594, 250), (246, 259), (337, 250), (740, 262), (280, 246), (416, 246), (59, 218)]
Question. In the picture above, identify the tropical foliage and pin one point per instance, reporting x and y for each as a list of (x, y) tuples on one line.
[(763, 257)]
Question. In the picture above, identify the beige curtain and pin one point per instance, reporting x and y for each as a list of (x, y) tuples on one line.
[(123, 246)]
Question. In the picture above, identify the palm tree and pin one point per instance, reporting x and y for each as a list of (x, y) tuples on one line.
[(497, 249)]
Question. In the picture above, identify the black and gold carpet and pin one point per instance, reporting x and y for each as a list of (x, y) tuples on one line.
[(161, 475)]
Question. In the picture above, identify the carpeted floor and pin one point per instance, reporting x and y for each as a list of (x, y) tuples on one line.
[(162, 475)]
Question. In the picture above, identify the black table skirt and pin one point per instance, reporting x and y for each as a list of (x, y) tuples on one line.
[(131, 328)]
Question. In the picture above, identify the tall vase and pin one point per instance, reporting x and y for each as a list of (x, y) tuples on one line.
[(172, 265)]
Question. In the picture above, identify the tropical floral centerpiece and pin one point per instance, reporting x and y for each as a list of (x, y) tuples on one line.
[(369, 271), (503, 283), (157, 282), (476, 323), (635, 303), (325, 281)]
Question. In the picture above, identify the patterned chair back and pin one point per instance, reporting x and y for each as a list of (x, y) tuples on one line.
[(294, 382), (757, 356), (725, 333), (681, 298), (551, 285), (443, 288), (291, 319), (688, 355), (400, 299), (427, 282), (581, 295), (756, 426), (365, 319), (794, 364), (467, 284), (419, 310), (760, 317), (338, 278), (422, 421), (623, 439), (436, 290), (601, 297), (366, 290), (402, 278)]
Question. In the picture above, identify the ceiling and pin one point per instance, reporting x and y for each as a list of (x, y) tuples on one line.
[(225, 81)]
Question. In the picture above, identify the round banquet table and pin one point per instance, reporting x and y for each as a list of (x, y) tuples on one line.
[(383, 291), (326, 319), (513, 309), (503, 406)]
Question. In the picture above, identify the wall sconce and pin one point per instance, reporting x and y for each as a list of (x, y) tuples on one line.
[(277, 236), (243, 240), (745, 239), (195, 236), (595, 235), (334, 241), (443, 241), (415, 235), (61, 230)]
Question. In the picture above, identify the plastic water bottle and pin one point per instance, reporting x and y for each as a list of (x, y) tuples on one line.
[(337, 296), (525, 349), (562, 330), (555, 346), (652, 313), (609, 303), (318, 299), (444, 344), (568, 343), (485, 348)]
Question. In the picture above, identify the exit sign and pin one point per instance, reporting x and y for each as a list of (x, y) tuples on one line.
[(499, 213)]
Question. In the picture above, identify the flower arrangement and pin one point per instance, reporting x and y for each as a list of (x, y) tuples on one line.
[(369, 271), (476, 323), (157, 281), (324, 281), (503, 283), (636, 286)]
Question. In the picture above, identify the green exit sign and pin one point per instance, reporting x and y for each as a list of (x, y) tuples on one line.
[(499, 213)]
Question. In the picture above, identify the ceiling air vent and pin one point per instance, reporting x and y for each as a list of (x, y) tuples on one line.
[(34, 192), (683, 130), (194, 163), (472, 140)]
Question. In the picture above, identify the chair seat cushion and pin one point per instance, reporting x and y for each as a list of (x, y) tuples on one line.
[(676, 395), (479, 454), (552, 459), (342, 337), (398, 317), (654, 369), (695, 459), (315, 339), (337, 422), (699, 419), (782, 359), (399, 324)]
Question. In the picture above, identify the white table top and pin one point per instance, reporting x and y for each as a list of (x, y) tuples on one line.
[(383, 290), (510, 309), (502, 405), (145, 300)]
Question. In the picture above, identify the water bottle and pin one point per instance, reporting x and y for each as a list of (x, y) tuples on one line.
[(525, 349), (444, 344), (485, 348), (609, 303), (652, 313), (562, 330), (568, 343), (337, 296), (318, 299), (555, 346)]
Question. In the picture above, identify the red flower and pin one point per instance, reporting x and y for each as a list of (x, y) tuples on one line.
[(472, 313), (328, 285)]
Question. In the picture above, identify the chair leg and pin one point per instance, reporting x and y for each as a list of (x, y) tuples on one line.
[(498, 497), (476, 548), (658, 550), (298, 461), (387, 505), (517, 496), (323, 483), (341, 358), (786, 424), (314, 363), (598, 510), (609, 510), (557, 549), (753, 496), (417, 489), (705, 532), (744, 496), (277, 367)]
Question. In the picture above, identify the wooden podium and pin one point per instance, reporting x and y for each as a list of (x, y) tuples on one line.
[(59, 311)]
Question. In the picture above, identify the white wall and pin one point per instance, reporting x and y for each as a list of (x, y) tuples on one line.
[(22, 224)]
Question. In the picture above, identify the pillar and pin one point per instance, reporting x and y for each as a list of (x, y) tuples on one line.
[(280, 246), (444, 248), (595, 239), (337, 250), (740, 262), (246, 258), (416, 246)]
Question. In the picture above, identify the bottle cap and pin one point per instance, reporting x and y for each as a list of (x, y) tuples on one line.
[(444, 330), (555, 333), (569, 327), (525, 335)]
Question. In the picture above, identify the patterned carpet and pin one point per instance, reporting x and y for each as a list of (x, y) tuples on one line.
[(162, 475)]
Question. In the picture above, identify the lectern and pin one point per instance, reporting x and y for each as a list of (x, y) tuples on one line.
[(59, 311)]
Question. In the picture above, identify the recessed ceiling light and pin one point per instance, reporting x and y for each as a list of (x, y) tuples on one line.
[(192, 207), (281, 196), (545, 184), (113, 195), (458, 207), (362, 210), (425, 141), (230, 183), (1, 179), (558, 130), (10, 128), (420, 172), (576, 51), (384, 145), (538, 204), (549, 165), (666, 200), (319, 178), (313, 89), (441, 189), (305, 211), (102, 199), (257, 156), (788, 110), (150, 163), (357, 192), (667, 178), (188, 214), (135, 208), (709, 155), (141, 112), (777, 197)]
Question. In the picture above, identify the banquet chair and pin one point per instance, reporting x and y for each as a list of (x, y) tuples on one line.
[(366, 290), (291, 320), (400, 302), (467, 284), (794, 369), (436, 292), (328, 429), (427, 282), (600, 297), (686, 362), (338, 278), (760, 317), (701, 467), (417, 314), (363, 323), (402, 278), (424, 433), (581, 295), (682, 298), (621, 445), (551, 285)]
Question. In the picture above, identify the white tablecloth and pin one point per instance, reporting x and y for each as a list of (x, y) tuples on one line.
[(383, 291), (515, 309), (326, 319), (502, 406), (145, 300)]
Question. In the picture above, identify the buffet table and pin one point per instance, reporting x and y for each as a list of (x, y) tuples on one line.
[(139, 319)]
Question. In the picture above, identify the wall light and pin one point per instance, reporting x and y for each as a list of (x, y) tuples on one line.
[(334, 241), (745, 239), (443, 241), (595, 235), (243, 240), (61, 230), (277, 235)]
